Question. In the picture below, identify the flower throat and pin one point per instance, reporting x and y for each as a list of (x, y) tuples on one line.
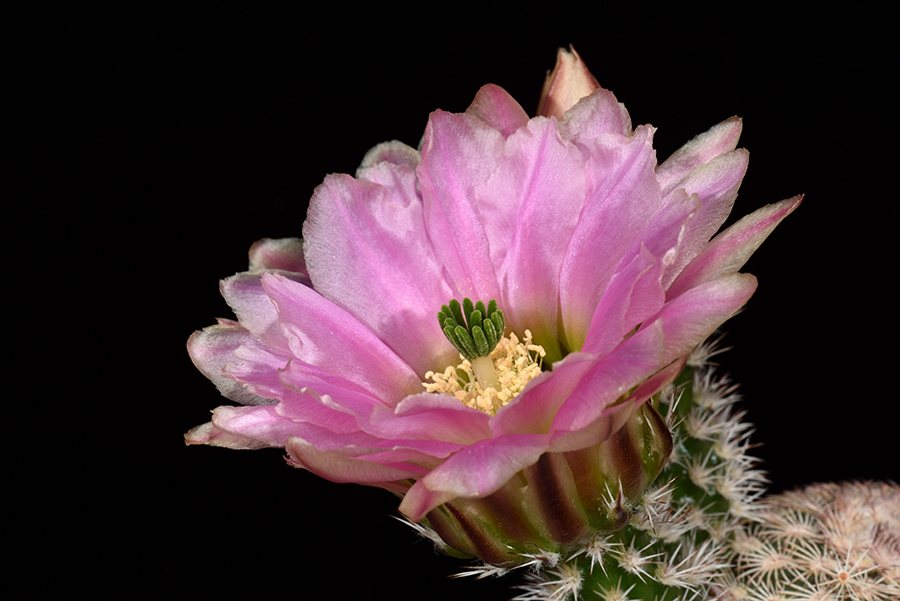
[(495, 368)]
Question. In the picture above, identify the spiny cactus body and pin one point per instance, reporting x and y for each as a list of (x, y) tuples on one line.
[(702, 532), (676, 547), (825, 542)]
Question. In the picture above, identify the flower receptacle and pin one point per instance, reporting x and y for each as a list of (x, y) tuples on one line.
[(562, 501)]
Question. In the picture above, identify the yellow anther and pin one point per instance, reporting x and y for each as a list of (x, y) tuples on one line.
[(516, 363)]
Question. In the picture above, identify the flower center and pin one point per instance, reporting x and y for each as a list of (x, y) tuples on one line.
[(494, 368)]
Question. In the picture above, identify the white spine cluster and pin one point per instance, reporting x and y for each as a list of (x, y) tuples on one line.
[(827, 541)]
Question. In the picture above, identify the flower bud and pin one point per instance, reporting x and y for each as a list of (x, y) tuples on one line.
[(569, 82)]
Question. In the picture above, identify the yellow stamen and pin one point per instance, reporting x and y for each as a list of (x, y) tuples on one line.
[(514, 362)]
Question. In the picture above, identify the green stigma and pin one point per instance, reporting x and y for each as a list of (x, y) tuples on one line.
[(473, 329)]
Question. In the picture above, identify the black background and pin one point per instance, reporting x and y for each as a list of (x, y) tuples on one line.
[(156, 148)]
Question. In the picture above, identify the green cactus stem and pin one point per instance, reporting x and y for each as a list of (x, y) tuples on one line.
[(676, 545)]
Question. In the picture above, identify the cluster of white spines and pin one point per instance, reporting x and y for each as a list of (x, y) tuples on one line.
[(825, 542)]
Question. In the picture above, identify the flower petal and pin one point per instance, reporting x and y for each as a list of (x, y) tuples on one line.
[(593, 116), (262, 424), (569, 82), (608, 423), (339, 466), (322, 334), (494, 106), (728, 251), (613, 377), (716, 184), (534, 409), (475, 471), (245, 295), (695, 314), (394, 152), (213, 350), (718, 140), (328, 389), (307, 405), (459, 153), (431, 416), (633, 295), (620, 170), (369, 253), (283, 254), (532, 203), (208, 434)]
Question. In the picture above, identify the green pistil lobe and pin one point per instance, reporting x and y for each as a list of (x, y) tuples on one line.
[(472, 328)]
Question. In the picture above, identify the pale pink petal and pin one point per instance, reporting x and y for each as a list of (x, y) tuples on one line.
[(243, 428), (720, 139), (398, 453), (310, 406), (692, 316), (494, 106), (325, 421), (394, 152), (613, 418), (262, 424), (612, 377), (328, 390), (716, 184), (322, 334), (254, 309), (257, 367), (213, 349), (608, 423), (339, 466), (475, 471), (728, 251), (367, 251), (534, 409), (459, 153), (666, 232), (623, 195), (530, 206), (282, 254), (324, 439), (593, 116), (433, 417), (208, 434), (633, 295)]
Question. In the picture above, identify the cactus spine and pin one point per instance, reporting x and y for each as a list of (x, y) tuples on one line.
[(827, 541)]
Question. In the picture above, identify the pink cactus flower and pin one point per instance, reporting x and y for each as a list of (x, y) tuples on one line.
[(602, 263)]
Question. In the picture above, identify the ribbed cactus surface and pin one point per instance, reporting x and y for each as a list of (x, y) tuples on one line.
[(677, 545), (561, 503)]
